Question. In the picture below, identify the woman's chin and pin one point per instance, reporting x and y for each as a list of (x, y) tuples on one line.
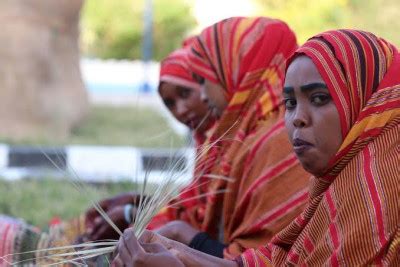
[(312, 166)]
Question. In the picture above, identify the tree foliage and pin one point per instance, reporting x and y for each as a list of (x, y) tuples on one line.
[(309, 17), (114, 29)]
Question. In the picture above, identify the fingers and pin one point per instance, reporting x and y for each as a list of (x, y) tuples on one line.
[(153, 248), (130, 241), (133, 253), (90, 216), (129, 249), (152, 237), (96, 225), (100, 233), (92, 213), (147, 237), (117, 262), (123, 252)]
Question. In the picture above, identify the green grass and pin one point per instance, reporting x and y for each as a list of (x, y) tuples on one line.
[(109, 125), (39, 200)]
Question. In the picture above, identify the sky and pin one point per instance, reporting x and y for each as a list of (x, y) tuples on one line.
[(208, 12)]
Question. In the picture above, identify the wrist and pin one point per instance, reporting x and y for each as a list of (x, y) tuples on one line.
[(186, 234), (204, 243)]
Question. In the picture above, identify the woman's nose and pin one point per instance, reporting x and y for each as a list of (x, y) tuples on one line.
[(203, 95), (301, 118), (181, 109)]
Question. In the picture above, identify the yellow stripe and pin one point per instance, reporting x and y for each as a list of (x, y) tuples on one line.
[(271, 76), (239, 97), (371, 122), (241, 28), (266, 103)]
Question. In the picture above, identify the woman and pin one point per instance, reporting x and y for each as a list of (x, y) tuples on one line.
[(342, 97), (241, 63), (181, 95)]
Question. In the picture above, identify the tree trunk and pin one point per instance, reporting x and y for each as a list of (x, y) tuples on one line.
[(42, 94)]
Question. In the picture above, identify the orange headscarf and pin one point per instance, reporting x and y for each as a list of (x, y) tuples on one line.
[(247, 57)]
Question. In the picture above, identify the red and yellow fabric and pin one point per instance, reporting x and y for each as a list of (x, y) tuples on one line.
[(352, 217), (268, 187)]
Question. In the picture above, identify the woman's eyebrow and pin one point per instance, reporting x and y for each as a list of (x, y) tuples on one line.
[(288, 90), (312, 86)]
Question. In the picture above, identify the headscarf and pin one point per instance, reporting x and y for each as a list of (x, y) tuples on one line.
[(174, 68), (246, 56), (352, 217)]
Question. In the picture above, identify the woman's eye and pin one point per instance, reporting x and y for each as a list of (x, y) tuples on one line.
[(290, 103), (320, 99), (198, 78), (169, 104), (185, 93)]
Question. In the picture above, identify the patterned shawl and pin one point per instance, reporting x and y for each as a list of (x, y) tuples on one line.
[(247, 57), (352, 217)]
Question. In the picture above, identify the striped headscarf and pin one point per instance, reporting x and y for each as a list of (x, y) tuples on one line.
[(247, 57), (175, 69), (353, 214)]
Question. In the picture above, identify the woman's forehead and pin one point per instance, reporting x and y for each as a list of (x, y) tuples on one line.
[(302, 70)]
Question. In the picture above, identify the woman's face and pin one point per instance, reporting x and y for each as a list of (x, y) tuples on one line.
[(213, 95), (186, 105), (311, 117)]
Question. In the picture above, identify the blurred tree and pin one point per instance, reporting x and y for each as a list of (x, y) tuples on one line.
[(306, 17), (378, 16), (114, 29), (309, 17)]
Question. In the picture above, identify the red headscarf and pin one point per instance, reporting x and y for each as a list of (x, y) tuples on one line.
[(353, 214), (174, 68), (247, 57)]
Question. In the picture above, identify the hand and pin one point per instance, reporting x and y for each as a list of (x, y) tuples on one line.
[(179, 231), (131, 253), (101, 229), (188, 256), (108, 204)]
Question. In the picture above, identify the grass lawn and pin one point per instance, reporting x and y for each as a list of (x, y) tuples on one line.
[(111, 125), (37, 201)]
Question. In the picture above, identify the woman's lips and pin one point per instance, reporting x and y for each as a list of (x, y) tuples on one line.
[(300, 146)]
